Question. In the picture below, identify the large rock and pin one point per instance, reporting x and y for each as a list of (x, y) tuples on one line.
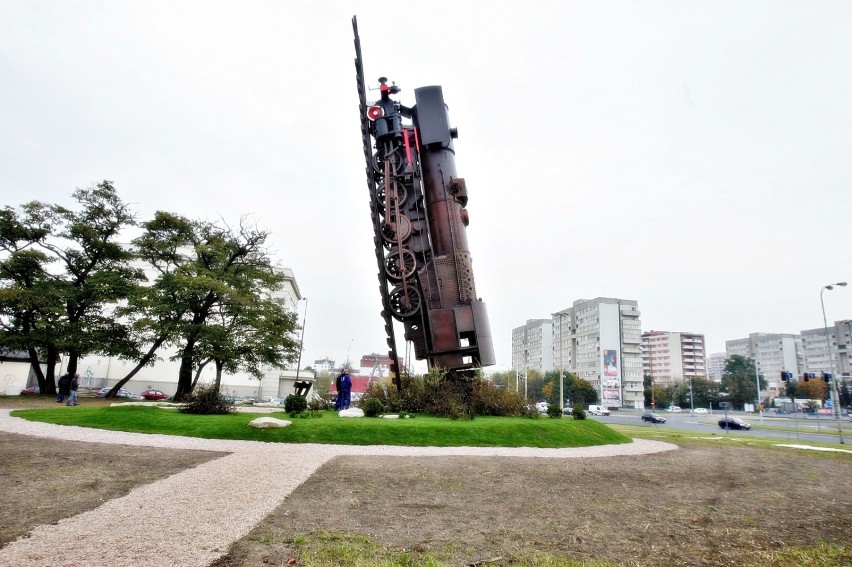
[(351, 412), (268, 422)]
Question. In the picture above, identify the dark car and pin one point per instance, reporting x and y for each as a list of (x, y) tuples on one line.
[(122, 393), (653, 418), (31, 391), (155, 395), (733, 423)]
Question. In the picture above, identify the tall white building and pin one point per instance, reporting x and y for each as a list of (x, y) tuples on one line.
[(716, 365), (815, 349), (532, 346), (669, 357), (601, 341), (774, 353)]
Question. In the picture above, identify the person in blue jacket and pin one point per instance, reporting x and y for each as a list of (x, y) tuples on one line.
[(344, 394)]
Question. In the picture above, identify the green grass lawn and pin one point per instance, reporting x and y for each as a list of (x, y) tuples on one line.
[(420, 431)]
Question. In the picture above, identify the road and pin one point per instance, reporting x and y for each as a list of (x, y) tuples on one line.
[(779, 427)]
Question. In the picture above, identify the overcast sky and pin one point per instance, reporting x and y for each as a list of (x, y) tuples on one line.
[(693, 156)]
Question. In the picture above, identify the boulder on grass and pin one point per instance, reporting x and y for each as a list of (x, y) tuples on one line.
[(351, 412), (268, 422)]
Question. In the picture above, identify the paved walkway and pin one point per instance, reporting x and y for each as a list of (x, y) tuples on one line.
[(213, 504)]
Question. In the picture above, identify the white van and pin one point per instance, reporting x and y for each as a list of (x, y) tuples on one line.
[(598, 410)]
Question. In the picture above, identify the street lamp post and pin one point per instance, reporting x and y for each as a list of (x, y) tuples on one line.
[(834, 394), (302, 339), (348, 349), (757, 386)]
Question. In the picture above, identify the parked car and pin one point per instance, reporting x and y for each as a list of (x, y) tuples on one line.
[(541, 407), (733, 423), (653, 418), (31, 391), (674, 409), (122, 393), (701, 411), (155, 395)]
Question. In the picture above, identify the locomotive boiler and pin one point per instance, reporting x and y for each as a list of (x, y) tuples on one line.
[(418, 209)]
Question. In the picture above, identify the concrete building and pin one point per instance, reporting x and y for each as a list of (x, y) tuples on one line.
[(774, 353), (716, 366), (532, 346), (601, 341), (815, 349), (670, 357)]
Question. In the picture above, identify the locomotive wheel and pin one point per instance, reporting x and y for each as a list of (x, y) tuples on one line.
[(396, 230), (404, 302), (401, 195), (400, 263)]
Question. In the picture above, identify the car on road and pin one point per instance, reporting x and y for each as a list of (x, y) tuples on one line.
[(700, 411), (122, 393), (733, 423), (674, 409), (31, 391), (155, 395), (598, 410), (653, 418)]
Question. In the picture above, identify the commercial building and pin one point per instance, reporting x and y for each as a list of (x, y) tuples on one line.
[(601, 341), (670, 357)]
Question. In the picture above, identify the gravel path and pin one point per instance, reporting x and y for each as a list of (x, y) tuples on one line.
[(213, 504)]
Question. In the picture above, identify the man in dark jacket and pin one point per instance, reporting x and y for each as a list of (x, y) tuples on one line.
[(338, 386), (64, 385), (345, 394), (72, 391)]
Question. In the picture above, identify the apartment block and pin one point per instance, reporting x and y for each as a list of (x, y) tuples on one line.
[(816, 354), (774, 353), (532, 346), (670, 357), (716, 365), (601, 341)]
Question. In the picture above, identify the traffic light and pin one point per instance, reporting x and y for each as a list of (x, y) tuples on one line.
[(783, 376), (826, 376), (808, 376)]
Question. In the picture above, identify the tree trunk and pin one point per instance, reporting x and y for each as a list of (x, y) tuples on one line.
[(184, 386), (219, 365), (73, 360), (43, 385), (142, 362), (198, 373)]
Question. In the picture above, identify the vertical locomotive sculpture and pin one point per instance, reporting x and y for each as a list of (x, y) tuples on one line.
[(417, 203)]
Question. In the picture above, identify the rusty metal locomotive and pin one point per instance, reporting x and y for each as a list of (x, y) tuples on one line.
[(418, 209)]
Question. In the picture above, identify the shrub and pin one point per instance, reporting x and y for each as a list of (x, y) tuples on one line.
[(500, 402), (294, 404), (578, 412), (554, 411), (373, 407), (318, 404), (455, 397), (206, 400)]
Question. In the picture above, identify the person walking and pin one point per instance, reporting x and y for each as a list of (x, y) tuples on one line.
[(72, 391), (64, 386)]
